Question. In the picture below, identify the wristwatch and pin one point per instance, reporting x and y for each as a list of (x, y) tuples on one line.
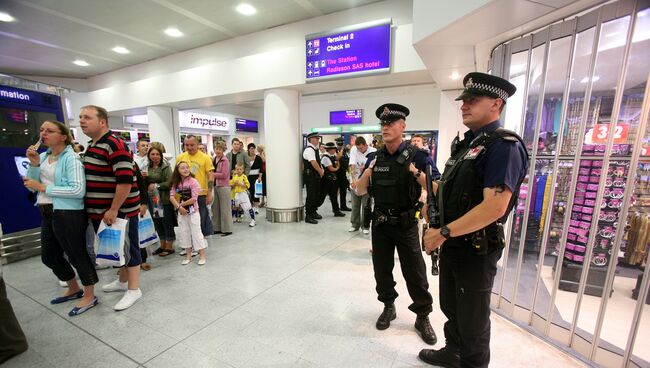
[(444, 231), (417, 174)]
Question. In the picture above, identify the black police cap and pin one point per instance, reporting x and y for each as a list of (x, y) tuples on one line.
[(312, 135), (388, 113), (481, 84)]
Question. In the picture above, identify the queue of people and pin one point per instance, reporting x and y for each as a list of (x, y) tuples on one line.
[(107, 181)]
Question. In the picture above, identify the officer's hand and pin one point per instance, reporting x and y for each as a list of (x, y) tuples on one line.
[(413, 169), (433, 240)]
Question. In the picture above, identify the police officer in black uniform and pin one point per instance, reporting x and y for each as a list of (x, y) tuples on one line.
[(341, 174), (478, 189), (329, 181), (312, 172), (396, 176)]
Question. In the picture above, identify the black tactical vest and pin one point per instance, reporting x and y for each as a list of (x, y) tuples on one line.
[(463, 186), (329, 174), (393, 185), (306, 165)]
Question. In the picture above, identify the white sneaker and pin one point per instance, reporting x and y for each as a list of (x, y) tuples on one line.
[(129, 298), (115, 286), (366, 231), (182, 253), (252, 223), (353, 229), (63, 284), (186, 262)]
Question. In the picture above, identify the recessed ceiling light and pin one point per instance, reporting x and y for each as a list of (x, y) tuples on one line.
[(586, 79), (5, 17), (173, 32), (121, 50), (80, 62), (246, 9), (454, 76)]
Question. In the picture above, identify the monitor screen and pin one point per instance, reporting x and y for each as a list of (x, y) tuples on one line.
[(346, 117), (245, 125), (351, 51)]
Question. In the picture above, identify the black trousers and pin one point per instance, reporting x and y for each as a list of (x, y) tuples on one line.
[(12, 338), (329, 188), (343, 184), (64, 232), (385, 238), (312, 184), (466, 281)]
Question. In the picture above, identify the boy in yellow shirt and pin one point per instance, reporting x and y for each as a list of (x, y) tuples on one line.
[(239, 184)]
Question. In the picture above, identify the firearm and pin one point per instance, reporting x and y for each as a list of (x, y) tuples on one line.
[(433, 217)]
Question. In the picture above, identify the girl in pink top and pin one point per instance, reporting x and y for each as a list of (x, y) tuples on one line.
[(183, 196)]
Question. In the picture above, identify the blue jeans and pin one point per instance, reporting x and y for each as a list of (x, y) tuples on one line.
[(206, 222)]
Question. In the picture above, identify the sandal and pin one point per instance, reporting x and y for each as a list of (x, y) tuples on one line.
[(158, 251), (166, 252)]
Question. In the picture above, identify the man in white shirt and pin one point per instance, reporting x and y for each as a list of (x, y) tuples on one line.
[(358, 158), (312, 173), (141, 158)]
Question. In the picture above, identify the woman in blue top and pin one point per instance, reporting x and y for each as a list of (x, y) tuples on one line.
[(58, 176)]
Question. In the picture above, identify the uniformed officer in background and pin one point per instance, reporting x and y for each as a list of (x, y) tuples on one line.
[(479, 187), (312, 172), (330, 162), (396, 176), (342, 174)]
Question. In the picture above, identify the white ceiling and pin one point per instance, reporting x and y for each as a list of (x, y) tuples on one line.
[(48, 35)]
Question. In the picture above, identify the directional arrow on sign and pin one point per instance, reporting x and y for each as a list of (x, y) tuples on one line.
[(309, 65), (309, 44), (309, 52)]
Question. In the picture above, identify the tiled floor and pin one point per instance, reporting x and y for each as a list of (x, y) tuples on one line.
[(277, 295)]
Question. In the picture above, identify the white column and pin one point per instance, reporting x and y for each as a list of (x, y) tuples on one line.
[(283, 155), (450, 123), (163, 127)]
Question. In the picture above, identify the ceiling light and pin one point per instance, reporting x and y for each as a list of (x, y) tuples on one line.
[(80, 62), (246, 9), (173, 32), (121, 50), (586, 79), (454, 76), (5, 17)]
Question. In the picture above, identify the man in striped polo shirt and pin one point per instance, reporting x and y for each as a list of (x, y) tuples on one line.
[(111, 192)]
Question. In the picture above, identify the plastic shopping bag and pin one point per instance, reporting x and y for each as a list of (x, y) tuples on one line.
[(146, 231), (258, 189), (110, 243)]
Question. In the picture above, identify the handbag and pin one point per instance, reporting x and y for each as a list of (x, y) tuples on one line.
[(146, 231), (109, 243)]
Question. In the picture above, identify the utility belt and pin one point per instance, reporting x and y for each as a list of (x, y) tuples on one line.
[(388, 216), (481, 241), (311, 172)]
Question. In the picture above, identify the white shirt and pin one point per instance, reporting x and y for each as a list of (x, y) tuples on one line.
[(358, 160), (142, 162), (326, 161), (309, 154), (47, 178)]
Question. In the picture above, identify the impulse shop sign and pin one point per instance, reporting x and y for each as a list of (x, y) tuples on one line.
[(202, 121), (356, 50), (346, 117)]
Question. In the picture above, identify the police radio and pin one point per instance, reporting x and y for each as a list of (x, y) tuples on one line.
[(433, 217)]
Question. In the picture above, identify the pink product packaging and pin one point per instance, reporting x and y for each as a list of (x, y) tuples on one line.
[(583, 239), (591, 195), (592, 187), (571, 237), (585, 163), (597, 164), (579, 249)]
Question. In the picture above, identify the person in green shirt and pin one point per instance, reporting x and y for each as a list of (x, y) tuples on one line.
[(158, 182)]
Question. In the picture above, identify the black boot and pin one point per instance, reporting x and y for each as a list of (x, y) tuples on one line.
[(389, 314), (316, 216), (339, 214), (444, 357), (423, 326), (310, 219)]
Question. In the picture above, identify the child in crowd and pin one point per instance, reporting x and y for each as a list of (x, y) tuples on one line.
[(239, 184), (183, 196)]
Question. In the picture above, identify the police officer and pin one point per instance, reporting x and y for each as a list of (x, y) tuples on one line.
[(478, 189), (397, 181), (312, 172), (341, 174), (329, 181)]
